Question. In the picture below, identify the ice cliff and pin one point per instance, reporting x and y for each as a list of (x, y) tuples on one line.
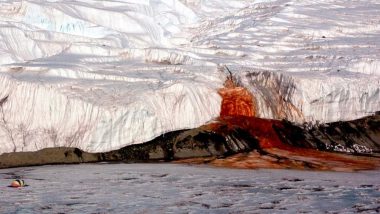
[(100, 75)]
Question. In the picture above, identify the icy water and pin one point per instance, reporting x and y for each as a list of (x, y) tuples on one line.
[(170, 188)]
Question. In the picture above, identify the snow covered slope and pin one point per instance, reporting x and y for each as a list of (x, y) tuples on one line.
[(100, 75)]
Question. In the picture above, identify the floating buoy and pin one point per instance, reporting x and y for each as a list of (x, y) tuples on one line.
[(17, 183)]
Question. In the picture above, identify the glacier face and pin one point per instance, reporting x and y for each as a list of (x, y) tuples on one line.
[(100, 75)]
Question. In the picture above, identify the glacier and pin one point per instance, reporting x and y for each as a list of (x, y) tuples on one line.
[(101, 75)]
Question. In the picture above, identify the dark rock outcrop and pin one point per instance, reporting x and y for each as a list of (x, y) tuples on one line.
[(360, 136), (261, 142), (167, 147), (192, 143)]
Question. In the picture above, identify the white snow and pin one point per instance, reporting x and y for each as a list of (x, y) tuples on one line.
[(100, 75), (169, 188)]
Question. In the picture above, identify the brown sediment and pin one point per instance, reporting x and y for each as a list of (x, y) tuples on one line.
[(282, 155), (276, 91), (311, 160), (237, 142), (274, 153), (237, 101), (287, 109), (239, 110)]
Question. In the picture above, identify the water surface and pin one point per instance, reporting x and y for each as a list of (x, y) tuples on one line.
[(172, 188)]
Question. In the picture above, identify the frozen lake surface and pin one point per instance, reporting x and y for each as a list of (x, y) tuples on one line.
[(170, 188)]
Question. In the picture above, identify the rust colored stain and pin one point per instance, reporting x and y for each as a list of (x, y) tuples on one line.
[(239, 110), (277, 154), (262, 129), (237, 101), (282, 155), (312, 160)]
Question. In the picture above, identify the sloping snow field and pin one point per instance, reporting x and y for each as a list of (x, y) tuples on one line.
[(169, 188), (100, 75)]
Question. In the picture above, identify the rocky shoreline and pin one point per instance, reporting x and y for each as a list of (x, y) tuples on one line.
[(242, 142)]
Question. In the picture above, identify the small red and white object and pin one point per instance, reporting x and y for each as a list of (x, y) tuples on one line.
[(18, 183)]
